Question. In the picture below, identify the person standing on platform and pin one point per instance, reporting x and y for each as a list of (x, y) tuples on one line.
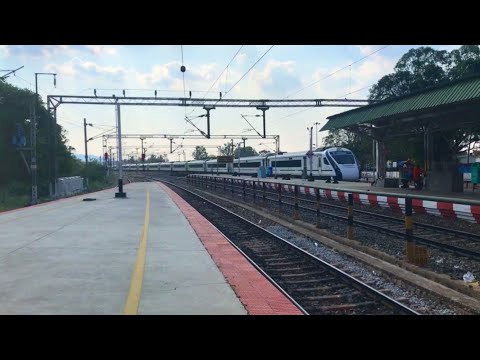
[(417, 177)]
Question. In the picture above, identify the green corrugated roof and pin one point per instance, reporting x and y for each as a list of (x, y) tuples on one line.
[(449, 93)]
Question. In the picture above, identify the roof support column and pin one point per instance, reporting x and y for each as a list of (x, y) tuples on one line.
[(380, 160)]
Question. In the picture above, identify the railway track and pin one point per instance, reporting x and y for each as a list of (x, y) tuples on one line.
[(445, 239), (314, 285)]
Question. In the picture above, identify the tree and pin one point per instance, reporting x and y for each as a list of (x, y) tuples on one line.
[(235, 151), (424, 67), (245, 152), (416, 70), (359, 144), (464, 61), (155, 159), (200, 153), (15, 108), (226, 149)]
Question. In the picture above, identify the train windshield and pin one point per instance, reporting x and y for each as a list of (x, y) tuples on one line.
[(343, 157)]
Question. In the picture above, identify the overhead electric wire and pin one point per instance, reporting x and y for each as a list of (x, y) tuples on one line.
[(251, 67), (336, 71), (329, 75), (219, 76)]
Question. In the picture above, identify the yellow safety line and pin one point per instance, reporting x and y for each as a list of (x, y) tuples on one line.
[(131, 306)]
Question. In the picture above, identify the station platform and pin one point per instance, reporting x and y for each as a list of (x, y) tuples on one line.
[(464, 206), (139, 255)]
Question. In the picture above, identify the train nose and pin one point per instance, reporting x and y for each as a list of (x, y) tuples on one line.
[(350, 173)]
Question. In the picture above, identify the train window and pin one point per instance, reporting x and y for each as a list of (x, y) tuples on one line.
[(250, 165), (287, 163), (343, 157), (179, 166), (191, 166), (217, 165), (325, 161)]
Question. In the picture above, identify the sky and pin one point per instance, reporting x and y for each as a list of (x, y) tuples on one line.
[(285, 71)]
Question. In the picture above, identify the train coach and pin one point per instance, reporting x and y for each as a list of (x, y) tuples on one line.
[(333, 163)]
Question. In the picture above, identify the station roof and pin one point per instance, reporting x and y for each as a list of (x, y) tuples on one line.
[(460, 97)]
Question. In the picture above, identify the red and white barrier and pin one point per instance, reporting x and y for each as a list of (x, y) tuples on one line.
[(438, 208)]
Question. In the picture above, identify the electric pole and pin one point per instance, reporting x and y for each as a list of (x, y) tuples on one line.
[(33, 144), (120, 193), (86, 140), (244, 138), (86, 150), (50, 131), (143, 154), (316, 134), (310, 153)]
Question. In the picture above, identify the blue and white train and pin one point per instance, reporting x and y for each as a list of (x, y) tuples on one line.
[(333, 163)]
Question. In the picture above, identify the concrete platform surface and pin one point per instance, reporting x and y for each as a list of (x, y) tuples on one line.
[(78, 257)]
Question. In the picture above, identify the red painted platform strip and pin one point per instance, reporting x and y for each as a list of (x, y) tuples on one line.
[(256, 293)]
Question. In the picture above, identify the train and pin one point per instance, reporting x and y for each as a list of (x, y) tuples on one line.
[(337, 163)]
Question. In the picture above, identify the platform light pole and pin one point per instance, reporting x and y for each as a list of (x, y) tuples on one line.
[(33, 161), (86, 140), (50, 133), (120, 193), (316, 134), (310, 153), (143, 154)]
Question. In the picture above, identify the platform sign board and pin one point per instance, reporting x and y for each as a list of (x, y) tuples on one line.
[(224, 159)]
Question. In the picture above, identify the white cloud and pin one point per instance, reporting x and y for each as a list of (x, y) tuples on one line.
[(159, 73), (168, 75), (346, 79), (4, 50), (39, 51), (367, 49), (240, 59), (82, 69), (93, 67), (275, 78), (102, 49), (66, 69)]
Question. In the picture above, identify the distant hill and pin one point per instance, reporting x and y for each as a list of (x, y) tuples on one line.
[(81, 157)]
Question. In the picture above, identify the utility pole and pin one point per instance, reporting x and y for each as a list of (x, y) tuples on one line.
[(143, 154), (33, 144), (50, 131), (120, 193), (310, 153), (277, 147), (244, 138), (86, 150), (316, 134)]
